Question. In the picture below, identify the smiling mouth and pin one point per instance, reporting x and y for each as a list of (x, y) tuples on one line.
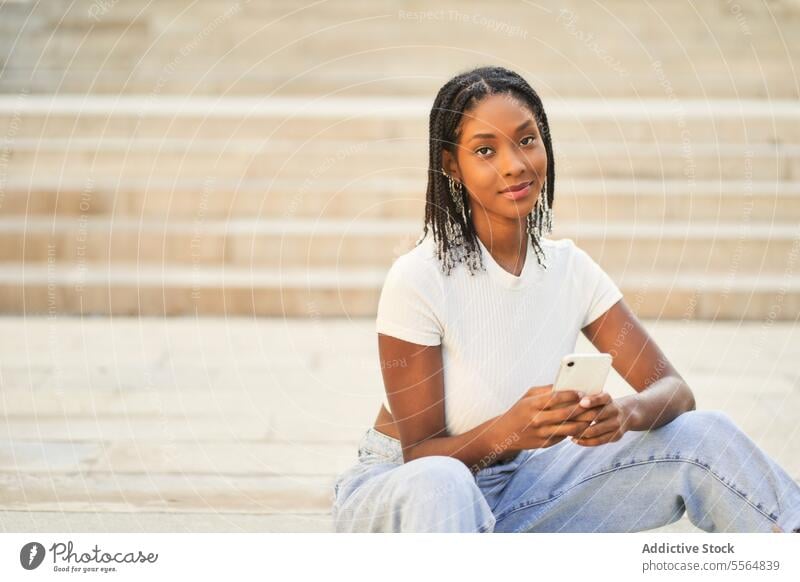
[(517, 187), (519, 193)]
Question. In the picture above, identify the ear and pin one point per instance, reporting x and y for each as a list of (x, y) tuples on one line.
[(450, 165)]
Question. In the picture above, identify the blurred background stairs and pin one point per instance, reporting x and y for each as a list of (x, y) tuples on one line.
[(224, 157)]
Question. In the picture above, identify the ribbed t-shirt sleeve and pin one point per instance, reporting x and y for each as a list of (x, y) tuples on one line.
[(410, 304), (599, 292)]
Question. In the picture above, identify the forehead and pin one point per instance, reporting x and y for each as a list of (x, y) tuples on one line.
[(497, 114)]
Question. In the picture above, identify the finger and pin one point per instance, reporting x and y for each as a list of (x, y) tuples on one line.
[(549, 417), (562, 429), (600, 429), (558, 415), (567, 404), (588, 442), (597, 414), (596, 441), (562, 398), (594, 400), (557, 399), (593, 414)]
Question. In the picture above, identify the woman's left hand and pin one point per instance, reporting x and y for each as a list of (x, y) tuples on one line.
[(611, 420)]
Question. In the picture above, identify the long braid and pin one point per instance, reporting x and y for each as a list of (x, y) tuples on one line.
[(453, 231)]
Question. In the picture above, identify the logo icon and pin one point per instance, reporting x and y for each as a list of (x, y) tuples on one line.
[(31, 555)]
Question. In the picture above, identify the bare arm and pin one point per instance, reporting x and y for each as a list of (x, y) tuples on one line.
[(662, 394), (412, 375)]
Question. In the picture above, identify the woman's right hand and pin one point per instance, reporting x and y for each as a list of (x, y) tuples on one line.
[(542, 418)]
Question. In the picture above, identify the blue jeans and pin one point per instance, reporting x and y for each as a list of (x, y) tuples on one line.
[(700, 463)]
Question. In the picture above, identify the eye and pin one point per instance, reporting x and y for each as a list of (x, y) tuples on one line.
[(531, 137), (477, 151)]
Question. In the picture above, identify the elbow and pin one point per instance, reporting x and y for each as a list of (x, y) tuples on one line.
[(415, 450), (691, 404)]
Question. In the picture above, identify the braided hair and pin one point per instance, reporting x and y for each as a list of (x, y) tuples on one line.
[(453, 230)]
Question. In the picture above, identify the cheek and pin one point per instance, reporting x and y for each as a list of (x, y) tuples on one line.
[(482, 178), (539, 161), (537, 157)]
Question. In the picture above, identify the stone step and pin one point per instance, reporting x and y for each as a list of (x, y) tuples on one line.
[(394, 158), (157, 291), (219, 48), (36, 121), (92, 521), (371, 198), (286, 414), (168, 129), (171, 458), (199, 81), (76, 12), (221, 30), (159, 427), (314, 38), (275, 243), (686, 24), (105, 491), (360, 46)]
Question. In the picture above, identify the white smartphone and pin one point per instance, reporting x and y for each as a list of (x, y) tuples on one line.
[(583, 372)]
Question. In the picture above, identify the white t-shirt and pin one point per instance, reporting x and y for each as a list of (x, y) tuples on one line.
[(500, 334)]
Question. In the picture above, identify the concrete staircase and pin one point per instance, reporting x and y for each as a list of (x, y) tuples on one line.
[(260, 158)]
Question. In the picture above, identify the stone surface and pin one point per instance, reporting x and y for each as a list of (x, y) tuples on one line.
[(233, 424)]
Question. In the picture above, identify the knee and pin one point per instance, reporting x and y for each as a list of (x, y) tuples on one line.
[(435, 479), (701, 429), (699, 423), (438, 493)]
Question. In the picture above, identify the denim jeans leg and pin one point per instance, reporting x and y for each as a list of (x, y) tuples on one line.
[(701, 463), (429, 494)]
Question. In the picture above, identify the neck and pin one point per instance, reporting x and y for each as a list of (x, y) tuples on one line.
[(505, 239)]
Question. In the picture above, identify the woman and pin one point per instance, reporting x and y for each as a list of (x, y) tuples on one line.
[(471, 437)]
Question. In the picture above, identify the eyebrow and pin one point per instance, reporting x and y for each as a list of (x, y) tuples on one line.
[(523, 125)]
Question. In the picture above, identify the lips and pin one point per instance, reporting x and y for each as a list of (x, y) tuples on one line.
[(517, 191), (518, 187)]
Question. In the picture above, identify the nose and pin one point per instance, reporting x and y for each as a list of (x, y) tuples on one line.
[(513, 162)]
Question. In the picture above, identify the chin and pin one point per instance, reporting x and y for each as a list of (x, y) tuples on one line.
[(522, 210)]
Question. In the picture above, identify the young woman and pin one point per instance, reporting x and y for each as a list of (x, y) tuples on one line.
[(472, 324)]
